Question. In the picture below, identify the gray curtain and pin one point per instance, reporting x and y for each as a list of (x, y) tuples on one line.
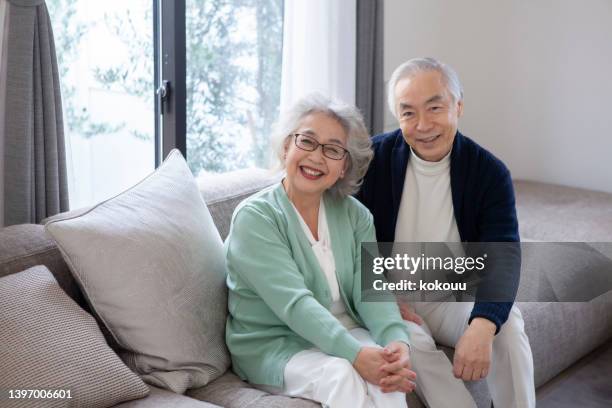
[(3, 33), (370, 92), (35, 182)]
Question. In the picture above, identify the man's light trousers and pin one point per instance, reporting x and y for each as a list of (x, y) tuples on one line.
[(510, 378)]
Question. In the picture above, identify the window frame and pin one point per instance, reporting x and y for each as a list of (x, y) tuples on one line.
[(170, 65)]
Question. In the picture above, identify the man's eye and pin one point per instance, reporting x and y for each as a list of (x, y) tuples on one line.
[(407, 114), (307, 142), (436, 108)]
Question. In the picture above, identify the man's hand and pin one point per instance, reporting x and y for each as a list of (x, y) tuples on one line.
[(408, 313), (473, 350), (398, 375)]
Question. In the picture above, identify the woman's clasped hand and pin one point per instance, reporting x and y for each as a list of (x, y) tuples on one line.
[(387, 367)]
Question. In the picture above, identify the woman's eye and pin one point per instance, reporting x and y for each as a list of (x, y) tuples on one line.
[(307, 142)]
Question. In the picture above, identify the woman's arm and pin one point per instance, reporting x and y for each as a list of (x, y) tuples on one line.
[(383, 319)]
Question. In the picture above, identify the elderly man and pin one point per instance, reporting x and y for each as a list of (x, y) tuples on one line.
[(430, 183)]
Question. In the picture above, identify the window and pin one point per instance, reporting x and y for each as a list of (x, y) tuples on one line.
[(234, 55), (223, 63), (105, 58)]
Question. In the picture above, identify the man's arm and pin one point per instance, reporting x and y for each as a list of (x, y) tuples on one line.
[(497, 223)]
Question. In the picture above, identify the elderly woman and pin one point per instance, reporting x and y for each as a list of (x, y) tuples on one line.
[(297, 325)]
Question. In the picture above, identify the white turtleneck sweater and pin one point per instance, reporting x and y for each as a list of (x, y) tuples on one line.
[(426, 208)]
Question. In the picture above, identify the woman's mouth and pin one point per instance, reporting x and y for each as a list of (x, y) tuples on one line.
[(310, 173)]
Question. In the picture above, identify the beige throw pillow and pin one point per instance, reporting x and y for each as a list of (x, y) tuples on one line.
[(151, 265), (49, 345)]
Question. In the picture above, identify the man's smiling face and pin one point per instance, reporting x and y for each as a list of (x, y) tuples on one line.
[(428, 114)]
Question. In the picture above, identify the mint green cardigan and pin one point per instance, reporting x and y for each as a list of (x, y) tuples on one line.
[(279, 298)]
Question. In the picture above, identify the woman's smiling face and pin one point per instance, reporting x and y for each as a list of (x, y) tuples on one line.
[(310, 173)]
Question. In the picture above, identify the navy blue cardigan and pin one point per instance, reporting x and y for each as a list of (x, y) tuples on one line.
[(482, 193)]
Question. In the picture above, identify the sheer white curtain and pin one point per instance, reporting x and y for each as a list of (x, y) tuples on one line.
[(319, 48), (3, 32)]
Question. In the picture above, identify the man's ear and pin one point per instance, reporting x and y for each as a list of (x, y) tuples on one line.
[(460, 108)]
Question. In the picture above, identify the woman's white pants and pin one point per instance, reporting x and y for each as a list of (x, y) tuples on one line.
[(333, 382)]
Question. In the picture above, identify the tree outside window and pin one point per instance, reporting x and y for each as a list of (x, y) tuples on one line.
[(105, 57)]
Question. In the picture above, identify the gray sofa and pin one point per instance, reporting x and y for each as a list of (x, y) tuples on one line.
[(571, 342)]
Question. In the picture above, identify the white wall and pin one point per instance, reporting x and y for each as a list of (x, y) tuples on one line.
[(537, 77)]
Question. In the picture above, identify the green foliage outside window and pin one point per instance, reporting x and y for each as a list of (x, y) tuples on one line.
[(230, 103)]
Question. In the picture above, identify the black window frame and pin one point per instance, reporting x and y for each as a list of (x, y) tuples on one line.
[(170, 69)]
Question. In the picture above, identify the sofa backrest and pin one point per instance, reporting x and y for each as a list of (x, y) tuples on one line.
[(27, 245), (223, 192)]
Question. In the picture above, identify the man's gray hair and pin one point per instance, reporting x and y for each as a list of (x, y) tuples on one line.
[(358, 144), (416, 65)]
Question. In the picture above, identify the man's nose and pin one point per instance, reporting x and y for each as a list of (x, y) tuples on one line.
[(424, 124)]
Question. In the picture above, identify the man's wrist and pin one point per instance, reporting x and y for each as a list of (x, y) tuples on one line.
[(484, 324)]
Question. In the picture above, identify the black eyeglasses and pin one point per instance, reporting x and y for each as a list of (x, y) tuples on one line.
[(310, 144)]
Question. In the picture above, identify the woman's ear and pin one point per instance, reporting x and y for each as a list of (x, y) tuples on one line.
[(286, 148), (344, 169)]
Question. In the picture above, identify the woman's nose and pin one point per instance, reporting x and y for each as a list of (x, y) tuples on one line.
[(317, 153)]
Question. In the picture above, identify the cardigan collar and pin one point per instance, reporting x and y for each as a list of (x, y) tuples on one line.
[(335, 220)]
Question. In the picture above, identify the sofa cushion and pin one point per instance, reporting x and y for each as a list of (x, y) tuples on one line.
[(49, 342), (561, 333), (231, 392), (27, 245), (159, 397), (150, 263)]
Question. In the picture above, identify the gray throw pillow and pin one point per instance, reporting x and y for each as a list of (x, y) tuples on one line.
[(48, 343), (150, 263)]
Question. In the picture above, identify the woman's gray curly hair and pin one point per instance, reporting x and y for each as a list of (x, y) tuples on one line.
[(349, 117)]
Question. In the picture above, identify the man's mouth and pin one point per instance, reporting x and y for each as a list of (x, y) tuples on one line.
[(428, 140), (310, 173)]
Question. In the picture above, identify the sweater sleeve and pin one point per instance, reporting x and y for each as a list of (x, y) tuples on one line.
[(498, 223), (382, 319), (258, 253)]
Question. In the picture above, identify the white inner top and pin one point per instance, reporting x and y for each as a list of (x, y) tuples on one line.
[(426, 208), (426, 214), (323, 251)]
